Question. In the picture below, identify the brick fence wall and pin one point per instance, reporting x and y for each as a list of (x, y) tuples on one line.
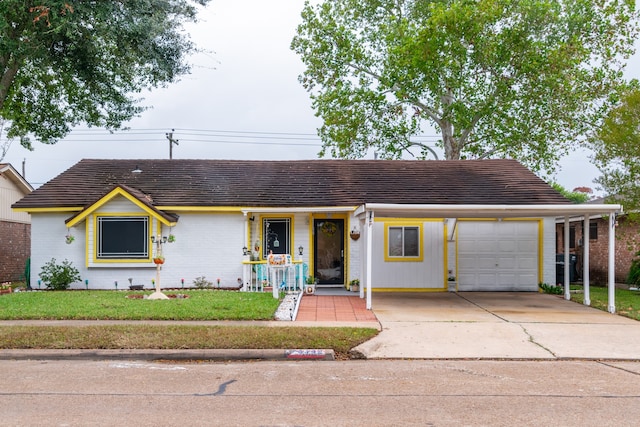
[(15, 249)]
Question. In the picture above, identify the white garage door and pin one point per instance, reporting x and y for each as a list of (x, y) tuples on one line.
[(498, 255)]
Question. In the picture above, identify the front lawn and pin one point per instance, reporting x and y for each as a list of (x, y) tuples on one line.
[(114, 305), (627, 302)]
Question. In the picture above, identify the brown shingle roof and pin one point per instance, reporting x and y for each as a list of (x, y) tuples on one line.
[(299, 183)]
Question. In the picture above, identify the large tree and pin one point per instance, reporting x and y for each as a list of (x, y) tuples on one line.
[(65, 62), (617, 151), (521, 79)]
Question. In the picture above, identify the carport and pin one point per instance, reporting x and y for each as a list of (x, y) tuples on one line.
[(366, 214)]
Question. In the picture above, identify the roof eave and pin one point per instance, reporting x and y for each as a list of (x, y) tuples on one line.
[(487, 211)]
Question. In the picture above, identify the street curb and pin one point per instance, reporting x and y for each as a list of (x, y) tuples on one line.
[(153, 354)]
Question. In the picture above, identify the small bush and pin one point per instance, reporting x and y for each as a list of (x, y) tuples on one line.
[(634, 272), (202, 283), (551, 289), (59, 276)]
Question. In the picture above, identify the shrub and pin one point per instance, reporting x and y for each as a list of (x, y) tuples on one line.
[(551, 289), (59, 276), (634, 272), (202, 283)]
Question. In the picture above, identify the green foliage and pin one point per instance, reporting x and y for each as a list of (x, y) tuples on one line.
[(634, 272), (551, 289), (202, 283), (617, 148), (497, 78), (58, 277), (574, 196), (63, 63)]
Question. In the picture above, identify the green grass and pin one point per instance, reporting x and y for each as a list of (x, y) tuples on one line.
[(114, 305), (627, 302), (341, 340)]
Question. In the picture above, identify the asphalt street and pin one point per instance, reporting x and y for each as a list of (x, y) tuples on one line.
[(320, 393)]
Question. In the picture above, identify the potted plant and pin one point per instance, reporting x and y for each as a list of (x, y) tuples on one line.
[(354, 285), (69, 239), (310, 288), (5, 288), (158, 259)]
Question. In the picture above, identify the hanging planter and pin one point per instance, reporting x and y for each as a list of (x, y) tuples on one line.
[(69, 239), (355, 234)]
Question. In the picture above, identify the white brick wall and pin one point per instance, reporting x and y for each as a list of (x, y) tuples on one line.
[(207, 245)]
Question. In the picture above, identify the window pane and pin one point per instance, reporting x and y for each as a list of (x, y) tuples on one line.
[(411, 241), (395, 241), (593, 230), (276, 233), (122, 237)]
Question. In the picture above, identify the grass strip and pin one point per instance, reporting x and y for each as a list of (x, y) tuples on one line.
[(340, 339), (627, 302)]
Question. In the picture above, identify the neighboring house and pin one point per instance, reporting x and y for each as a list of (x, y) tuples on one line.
[(627, 244), (476, 225), (15, 227)]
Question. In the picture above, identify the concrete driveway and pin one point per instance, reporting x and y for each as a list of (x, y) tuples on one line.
[(492, 325)]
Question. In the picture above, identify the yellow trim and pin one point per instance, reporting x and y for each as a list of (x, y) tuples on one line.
[(108, 197), (310, 244), (203, 208), (404, 223), (540, 250), (253, 209), (44, 210), (276, 216), (97, 260), (86, 242), (446, 256)]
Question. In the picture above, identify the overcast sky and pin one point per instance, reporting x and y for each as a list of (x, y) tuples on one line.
[(241, 101)]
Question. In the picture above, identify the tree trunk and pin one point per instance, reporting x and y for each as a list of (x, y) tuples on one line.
[(9, 73), (451, 145)]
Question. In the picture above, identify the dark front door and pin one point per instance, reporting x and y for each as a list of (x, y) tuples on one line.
[(329, 251)]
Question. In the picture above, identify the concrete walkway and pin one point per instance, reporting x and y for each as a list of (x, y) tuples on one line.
[(478, 325)]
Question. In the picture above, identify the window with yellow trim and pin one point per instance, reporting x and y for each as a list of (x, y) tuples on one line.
[(276, 233), (123, 237), (403, 241)]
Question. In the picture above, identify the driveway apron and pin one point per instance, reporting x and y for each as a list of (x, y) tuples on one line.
[(497, 325)]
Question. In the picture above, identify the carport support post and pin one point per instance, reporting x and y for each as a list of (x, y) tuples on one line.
[(567, 278), (585, 260), (612, 263)]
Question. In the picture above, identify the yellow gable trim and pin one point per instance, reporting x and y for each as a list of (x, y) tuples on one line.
[(108, 197)]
